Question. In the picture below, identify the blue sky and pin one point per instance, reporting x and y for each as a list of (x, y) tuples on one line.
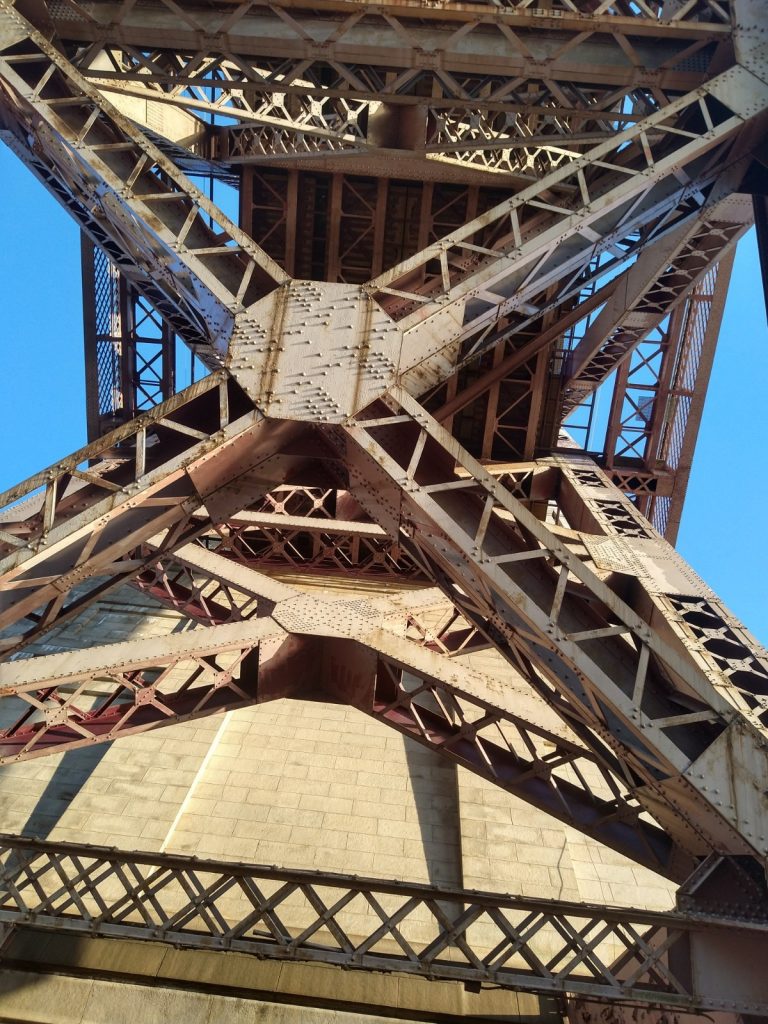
[(43, 406)]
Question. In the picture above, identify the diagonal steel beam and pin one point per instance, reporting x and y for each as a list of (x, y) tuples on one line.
[(494, 258), (669, 594), (461, 718), (662, 277), (650, 700), (495, 264), (153, 215), (76, 521), (104, 693), (353, 651)]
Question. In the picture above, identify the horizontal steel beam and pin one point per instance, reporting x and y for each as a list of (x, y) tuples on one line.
[(357, 652), (510, 42), (673, 960)]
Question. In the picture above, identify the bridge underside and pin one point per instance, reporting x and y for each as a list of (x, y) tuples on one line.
[(408, 598)]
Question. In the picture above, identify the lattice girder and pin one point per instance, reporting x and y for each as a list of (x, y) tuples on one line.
[(691, 685), (157, 478), (419, 344), (656, 284), (683, 703), (649, 700), (280, 90), (677, 960), (372, 654)]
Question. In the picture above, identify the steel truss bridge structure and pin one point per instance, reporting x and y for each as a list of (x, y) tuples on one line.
[(456, 222)]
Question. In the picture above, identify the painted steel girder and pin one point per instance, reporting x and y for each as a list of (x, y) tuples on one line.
[(356, 652), (680, 961), (153, 216), (658, 398), (315, 411), (677, 438), (611, 630), (659, 585), (208, 572), (408, 348), (129, 349), (533, 267), (203, 584), (693, 18), (104, 693), (660, 337), (538, 114), (445, 42), (663, 363), (532, 127), (657, 402), (334, 547), (669, 724), (421, 347), (537, 128), (270, 537), (452, 721), (208, 575), (76, 522), (663, 275)]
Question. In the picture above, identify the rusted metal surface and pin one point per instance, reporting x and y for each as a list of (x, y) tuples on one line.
[(378, 655), (673, 704), (438, 933)]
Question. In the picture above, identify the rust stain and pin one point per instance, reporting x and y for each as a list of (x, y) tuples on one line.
[(274, 347), (365, 320)]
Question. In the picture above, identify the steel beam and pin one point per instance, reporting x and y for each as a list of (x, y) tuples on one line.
[(678, 960), (375, 43), (668, 721), (130, 350), (365, 653), (75, 522), (105, 693), (148, 209), (658, 399), (662, 277), (665, 590), (635, 189), (618, 126)]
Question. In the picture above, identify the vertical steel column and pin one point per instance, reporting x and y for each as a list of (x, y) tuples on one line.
[(130, 351)]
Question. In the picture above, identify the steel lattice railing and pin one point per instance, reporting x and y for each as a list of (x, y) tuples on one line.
[(434, 932)]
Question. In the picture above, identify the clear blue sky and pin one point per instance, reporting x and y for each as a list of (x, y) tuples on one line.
[(43, 409)]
